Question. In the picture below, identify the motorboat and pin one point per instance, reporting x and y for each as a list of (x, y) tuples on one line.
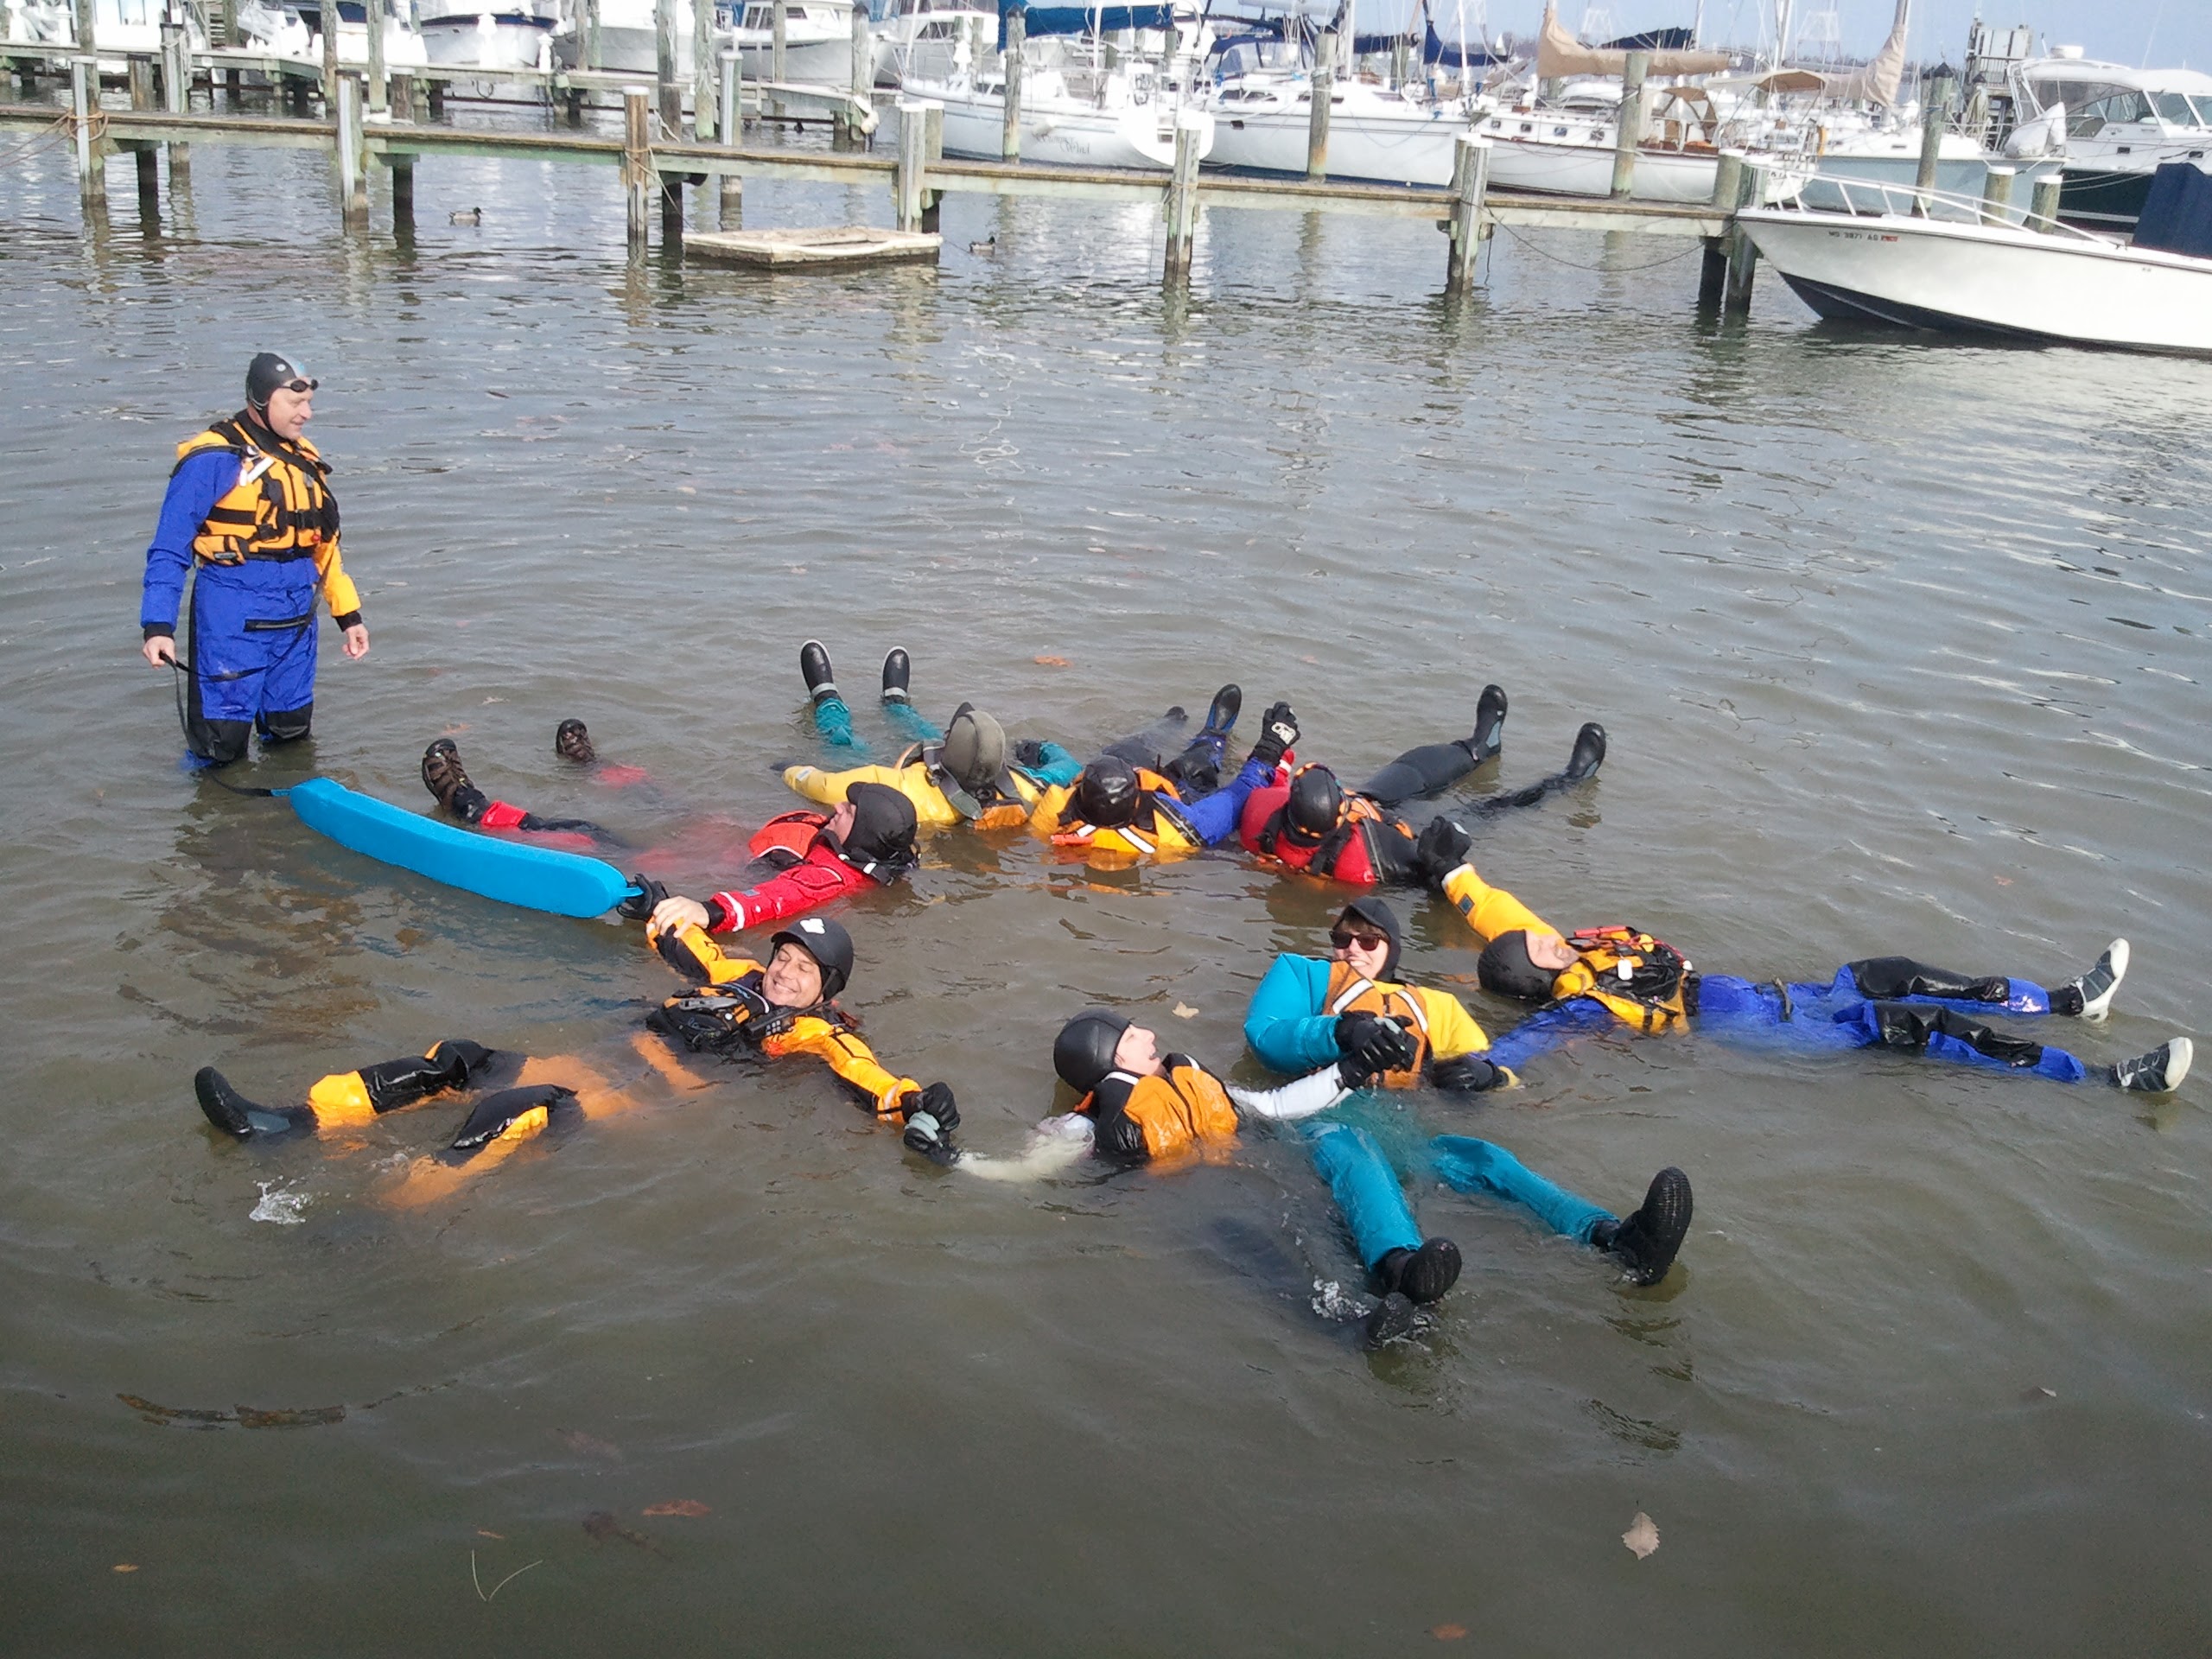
[(1262, 106), (1570, 152), (2111, 126), (518, 34), (1917, 260), (931, 39), (1078, 108), (119, 26), (818, 42), (403, 38)]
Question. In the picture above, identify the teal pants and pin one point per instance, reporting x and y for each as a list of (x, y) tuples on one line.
[(834, 721), (1373, 1201)]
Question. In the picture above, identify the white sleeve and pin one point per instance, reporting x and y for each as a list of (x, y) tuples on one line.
[(1315, 1092)]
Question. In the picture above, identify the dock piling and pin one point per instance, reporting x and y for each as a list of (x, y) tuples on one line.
[(913, 164), (176, 94), (671, 95), (329, 16), (87, 41), (1727, 195), (353, 148), (379, 77), (1182, 201), (705, 79), (142, 83), (2043, 215), (637, 158), (1997, 195), (1743, 252), (434, 97), (932, 152), (401, 89), (1628, 128), (83, 109), (1016, 23), (732, 207), (1935, 118), (1323, 86), (591, 35), (780, 19), (1470, 183), (403, 198), (863, 76)]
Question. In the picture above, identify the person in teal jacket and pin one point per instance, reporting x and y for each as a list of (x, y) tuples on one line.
[(1308, 1011)]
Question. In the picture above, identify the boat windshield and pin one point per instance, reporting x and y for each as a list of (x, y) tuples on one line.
[(2179, 109)]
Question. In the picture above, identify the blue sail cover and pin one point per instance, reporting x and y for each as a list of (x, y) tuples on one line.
[(2177, 214), (1081, 20), (1654, 40), (1461, 56)]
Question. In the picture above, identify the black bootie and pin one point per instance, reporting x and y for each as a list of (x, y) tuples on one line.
[(1488, 739), (1588, 755), (233, 1114), (572, 742), (444, 777), (898, 675), (1647, 1243), (1421, 1275), (2159, 1071), (814, 669), (1221, 716)]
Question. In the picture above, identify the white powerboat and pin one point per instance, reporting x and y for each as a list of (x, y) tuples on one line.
[(629, 39), (1945, 270), (1076, 110), (2112, 126), (518, 34), (931, 40), (818, 42), (403, 38), (121, 26)]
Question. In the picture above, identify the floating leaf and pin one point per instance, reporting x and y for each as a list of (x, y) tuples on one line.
[(1447, 1633), (124, 1566), (689, 1506), (1054, 662), (1642, 1536), (1185, 1011), (482, 1532)]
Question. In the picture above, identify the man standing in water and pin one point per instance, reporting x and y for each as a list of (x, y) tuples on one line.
[(250, 509)]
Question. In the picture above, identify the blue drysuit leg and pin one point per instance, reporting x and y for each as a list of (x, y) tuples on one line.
[(1366, 1190), (253, 657), (909, 722), (1944, 1033), (1470, 1166), (834, 721), (1214, 817)]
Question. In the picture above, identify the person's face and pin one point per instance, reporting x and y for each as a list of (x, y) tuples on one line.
[(1360, 946), (792, 979), (1138, 1053), (841, 820), (1550, 951), (289, 412)]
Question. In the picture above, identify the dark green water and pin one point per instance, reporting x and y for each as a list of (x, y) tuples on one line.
[(1900, 649)]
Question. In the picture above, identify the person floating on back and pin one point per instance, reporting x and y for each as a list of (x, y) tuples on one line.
[(249, 518)]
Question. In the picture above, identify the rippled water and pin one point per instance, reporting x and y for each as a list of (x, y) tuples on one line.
[(1900, 649)]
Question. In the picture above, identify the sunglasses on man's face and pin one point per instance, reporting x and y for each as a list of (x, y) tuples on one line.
[(1345, 938)]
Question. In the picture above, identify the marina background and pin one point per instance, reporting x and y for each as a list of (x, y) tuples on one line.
[(1899, 647)]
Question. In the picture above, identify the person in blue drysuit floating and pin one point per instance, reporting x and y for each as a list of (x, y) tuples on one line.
[(249, 507), (1351, 1006), (1619, 976)]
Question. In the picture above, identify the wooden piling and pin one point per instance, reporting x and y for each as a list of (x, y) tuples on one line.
[(637, 158), (1182, 201), (401, 89), (176, 94), (1628, 129), (227, 14), (403, 197), (1470, 183), (778, 27), (671, 94), (910, 181), (1016, 22), (433, 97), (2043, 215), (353, 145), (932, 152), (84, 108), (1743, 252), (863, 68), (87, 41), (329, 16), (1935, 112), (1997, 195), (142, 83), (1323, 85), (706, 74), (731, 209), (1727, 194), (592, 58), (379, 76)]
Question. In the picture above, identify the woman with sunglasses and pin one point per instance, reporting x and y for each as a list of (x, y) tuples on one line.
[(249, 516), (1308, 1012), (736, 1007)]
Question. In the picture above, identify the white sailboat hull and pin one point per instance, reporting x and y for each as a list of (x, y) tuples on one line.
[(822, 62), (1140, 135), (1389, 149), (1979, 278)]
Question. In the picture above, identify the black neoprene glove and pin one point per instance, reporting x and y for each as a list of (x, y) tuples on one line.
[(1375, 1044), (936, 1100), (650, 893), (1442, 849), (1278, 731), (1028, 752), (927, 1132), (1469, 1074)]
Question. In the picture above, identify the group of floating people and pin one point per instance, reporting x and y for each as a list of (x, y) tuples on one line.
[(1347, 1018)]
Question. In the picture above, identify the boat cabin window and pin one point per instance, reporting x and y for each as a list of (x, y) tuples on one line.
[(2178, 109), (2122, 104)]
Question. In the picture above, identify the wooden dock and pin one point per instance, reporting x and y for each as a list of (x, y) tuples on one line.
[(915, 173)]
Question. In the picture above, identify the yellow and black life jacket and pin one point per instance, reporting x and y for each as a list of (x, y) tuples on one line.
[(1350, 994), (1159, 826), (1181, 1110), (1003, 803), (1644, 981), (735, 1016), (280, 508)]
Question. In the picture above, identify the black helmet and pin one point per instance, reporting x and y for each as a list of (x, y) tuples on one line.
[(1106, 793), (1506, 967), (268, 372), (881, 841), (829, 945), (1379, 915), (1083, 1051), (1317, 801)]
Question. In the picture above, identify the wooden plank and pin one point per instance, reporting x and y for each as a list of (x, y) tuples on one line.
[(813, 248)]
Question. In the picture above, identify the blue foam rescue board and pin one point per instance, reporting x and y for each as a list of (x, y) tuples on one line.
[(536, 878)]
